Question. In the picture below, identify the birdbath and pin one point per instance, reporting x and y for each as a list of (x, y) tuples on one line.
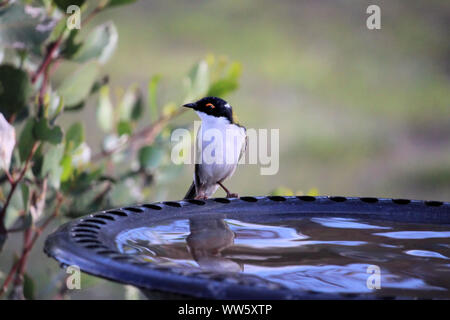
[(266, 248)]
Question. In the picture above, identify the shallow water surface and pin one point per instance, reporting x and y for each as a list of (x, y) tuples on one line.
[(322, 254)]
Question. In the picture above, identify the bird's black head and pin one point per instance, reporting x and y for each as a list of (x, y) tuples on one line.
[(213, 106)]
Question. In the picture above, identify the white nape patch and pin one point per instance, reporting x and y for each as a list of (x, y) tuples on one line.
[(227, 105)]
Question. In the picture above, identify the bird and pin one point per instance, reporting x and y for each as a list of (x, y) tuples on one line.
[(220, 138)]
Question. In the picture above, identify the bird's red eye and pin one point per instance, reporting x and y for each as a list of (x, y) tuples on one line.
[(210, 105)]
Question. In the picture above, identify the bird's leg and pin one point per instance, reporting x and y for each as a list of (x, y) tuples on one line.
[(201, 196), (229, 194)]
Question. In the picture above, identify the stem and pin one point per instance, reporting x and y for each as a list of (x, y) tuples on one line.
[(55, 213), (8, 279), (18, 268), (144, 136), (52, 50), (8, 175), (22, 261), (14, 185), (43, 89), (91, 15), (48, 58)]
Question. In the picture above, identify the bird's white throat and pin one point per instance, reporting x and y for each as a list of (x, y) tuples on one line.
[(221, 138), (212, 121)]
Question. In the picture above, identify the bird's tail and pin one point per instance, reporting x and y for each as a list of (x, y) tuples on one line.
[(191, 192)]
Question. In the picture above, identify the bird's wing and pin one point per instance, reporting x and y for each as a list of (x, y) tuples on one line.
[(191, 193), (244, 147)]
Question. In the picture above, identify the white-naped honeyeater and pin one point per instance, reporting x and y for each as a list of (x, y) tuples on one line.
[(224, 142)]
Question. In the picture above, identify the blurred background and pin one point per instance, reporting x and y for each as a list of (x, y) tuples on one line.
[(361, 112)]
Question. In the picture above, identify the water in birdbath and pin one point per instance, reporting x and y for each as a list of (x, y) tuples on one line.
[(320, 254)]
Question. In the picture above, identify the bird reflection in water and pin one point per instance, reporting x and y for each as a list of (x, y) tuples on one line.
[(206, 242), (195, 243)]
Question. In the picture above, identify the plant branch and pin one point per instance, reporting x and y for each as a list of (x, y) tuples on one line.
[(18, 268), (14, 184), (145, 136), (43, 88), (91, 15), (38, 231), (51, 52)]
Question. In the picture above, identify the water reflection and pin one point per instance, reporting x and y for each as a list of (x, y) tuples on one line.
[(206, 241), (325, 254)]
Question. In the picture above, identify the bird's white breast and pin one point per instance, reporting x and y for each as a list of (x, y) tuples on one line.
[(219, 145)]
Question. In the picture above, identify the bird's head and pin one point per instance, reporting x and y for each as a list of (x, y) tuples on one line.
[(213, 106)]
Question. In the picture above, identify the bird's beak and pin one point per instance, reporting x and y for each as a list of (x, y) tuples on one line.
[(189, 105)]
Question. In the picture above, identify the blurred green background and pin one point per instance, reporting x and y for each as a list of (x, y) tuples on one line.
[(361, 112)]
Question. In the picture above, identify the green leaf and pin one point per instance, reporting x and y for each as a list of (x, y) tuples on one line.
[(24, 27), (81, 156), (70, 46), (57, 106), (15, 218), (52, 166), (3, 238), (115, 3), (38, 159), (152, 96), (124, 127), (28, 287), (26, 140), (83, 181), (74, 136), (100, 44), (67, 168), (105, 116), (77, 107), (128, 102), (25, 195), (58, 30), (150, 157), (42, 131), (64, 4), (222, 87), (16, 221), (138, 107), (229, 83), (15, 90), (99, 83), (76, 87), (198, 81)]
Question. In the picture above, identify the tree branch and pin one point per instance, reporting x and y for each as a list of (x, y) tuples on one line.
[(48, 58), (18, 268), (51, 54), (142, 137), (14, 185)]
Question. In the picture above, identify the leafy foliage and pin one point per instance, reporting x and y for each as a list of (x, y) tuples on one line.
[(54, 173), (99, 45), (23, 27), (63, 4), (76, 87), (15, 89)]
